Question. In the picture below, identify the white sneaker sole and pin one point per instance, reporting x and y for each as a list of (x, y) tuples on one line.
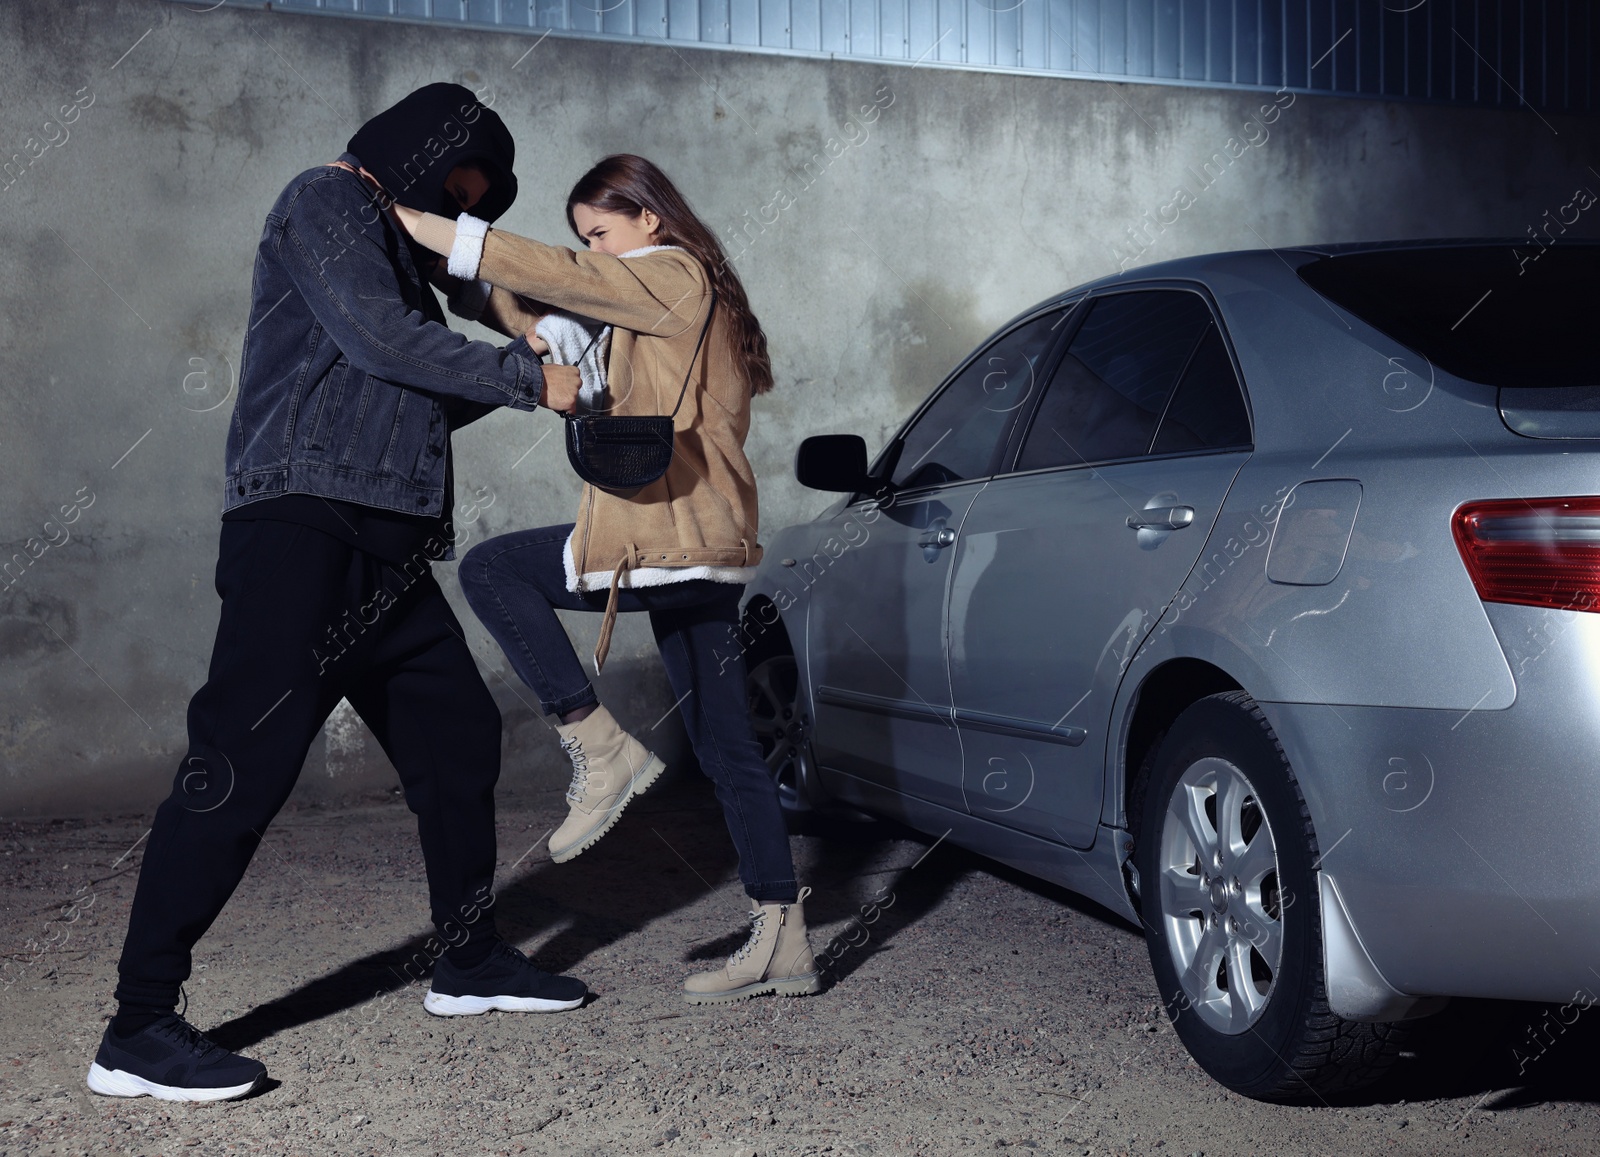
[(441, 1005), (606, 820), (789, 986), (117, 1083)]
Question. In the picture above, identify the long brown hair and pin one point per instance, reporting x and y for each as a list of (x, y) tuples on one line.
[(625, 183)]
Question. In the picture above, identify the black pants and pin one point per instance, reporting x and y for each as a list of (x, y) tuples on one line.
[(306, 620)]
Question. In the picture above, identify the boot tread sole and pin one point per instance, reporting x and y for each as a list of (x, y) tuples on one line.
[(653, 767), (788, 986)]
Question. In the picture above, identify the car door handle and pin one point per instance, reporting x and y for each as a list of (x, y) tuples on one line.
[(944, 536), (1163, 518)]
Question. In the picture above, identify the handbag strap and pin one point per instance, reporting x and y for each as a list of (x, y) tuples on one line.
[(682, 390), (692, 357), (579, 362)]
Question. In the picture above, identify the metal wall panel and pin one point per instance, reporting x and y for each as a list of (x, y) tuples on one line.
[(1486, 52)]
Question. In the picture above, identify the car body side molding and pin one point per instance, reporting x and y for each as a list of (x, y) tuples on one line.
[(1007, 725), (882, 704), (980, 720)]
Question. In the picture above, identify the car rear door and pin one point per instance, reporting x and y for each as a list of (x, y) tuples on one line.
[(1065, 564), (876, 627)]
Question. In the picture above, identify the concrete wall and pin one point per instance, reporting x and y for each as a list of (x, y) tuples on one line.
[(954, 200)]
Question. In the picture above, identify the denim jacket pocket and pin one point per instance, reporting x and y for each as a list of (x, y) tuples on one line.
[(354, 451), (329, 392), (414, 450)]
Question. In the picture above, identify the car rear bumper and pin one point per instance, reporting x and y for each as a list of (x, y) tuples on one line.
[(1466, 844)]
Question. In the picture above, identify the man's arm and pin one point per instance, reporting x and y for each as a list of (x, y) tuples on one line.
[(499, 309), (340, 261), (513, 315)]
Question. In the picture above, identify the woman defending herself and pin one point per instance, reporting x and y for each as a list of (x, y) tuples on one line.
[(654, 282)]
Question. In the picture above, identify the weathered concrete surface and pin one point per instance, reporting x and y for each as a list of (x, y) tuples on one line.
[(953, 201)]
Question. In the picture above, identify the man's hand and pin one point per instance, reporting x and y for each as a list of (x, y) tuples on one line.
[(561, 388), (434, 273)]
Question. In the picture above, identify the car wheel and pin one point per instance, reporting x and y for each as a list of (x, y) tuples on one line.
[(1226, 854), (783, 729)]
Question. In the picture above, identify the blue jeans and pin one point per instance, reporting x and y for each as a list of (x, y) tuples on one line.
[(515, 583)]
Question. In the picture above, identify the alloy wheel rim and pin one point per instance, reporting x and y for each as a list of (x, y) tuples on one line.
[(1221, 900), (781, 727)]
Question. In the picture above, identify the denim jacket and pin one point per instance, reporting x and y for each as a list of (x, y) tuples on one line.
[(349, 383)]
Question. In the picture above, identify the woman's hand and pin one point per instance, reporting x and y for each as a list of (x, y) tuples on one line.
[(561, 388)]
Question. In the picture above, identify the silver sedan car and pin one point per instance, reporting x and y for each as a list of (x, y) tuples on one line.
[(1250, 595)]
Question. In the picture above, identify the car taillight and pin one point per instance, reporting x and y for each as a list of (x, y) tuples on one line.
[(1539, 552)]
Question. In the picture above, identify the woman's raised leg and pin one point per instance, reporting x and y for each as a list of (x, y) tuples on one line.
[(514, 583)]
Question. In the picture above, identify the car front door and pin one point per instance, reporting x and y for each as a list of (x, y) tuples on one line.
[(876, 627), (1066, 563)]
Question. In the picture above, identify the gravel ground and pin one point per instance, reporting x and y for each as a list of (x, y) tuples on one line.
[(971, 1008)]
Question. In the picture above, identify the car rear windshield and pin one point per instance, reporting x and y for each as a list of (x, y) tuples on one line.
[(1514, 316)]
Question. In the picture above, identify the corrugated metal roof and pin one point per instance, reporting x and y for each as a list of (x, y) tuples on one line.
[(1540, 53)]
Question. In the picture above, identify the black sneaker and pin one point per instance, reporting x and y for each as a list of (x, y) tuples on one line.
[(507, 980), (170, 1060)]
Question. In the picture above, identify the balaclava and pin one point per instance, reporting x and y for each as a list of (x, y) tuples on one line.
[(411, 147)]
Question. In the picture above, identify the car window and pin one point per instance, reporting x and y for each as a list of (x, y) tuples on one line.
[(1477, 311), (1108, 393), (963, 433), (1207, 411)]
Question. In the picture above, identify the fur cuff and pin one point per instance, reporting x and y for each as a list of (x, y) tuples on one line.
[(467, 252)]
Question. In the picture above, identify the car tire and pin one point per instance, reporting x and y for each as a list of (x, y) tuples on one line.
[(1226, 856), (782, 727)]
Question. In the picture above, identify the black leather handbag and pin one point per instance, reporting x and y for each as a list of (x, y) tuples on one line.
[(622, 454)]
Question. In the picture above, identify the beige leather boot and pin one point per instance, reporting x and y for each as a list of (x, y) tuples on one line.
[(777, 958), (609, 768)]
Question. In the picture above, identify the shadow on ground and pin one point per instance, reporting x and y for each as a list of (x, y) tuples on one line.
[(672, 851), (667, 852), (664, 854), (1510, 1053)]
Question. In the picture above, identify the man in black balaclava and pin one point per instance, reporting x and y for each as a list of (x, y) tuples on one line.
[(338, 497)]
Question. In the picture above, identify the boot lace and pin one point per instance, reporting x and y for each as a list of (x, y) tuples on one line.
[(755, 936), (580, 769)]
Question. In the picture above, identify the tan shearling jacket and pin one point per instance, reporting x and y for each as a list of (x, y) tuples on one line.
[(699, 519)]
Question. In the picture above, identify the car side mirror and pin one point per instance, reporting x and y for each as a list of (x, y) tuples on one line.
[(833, 462)]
